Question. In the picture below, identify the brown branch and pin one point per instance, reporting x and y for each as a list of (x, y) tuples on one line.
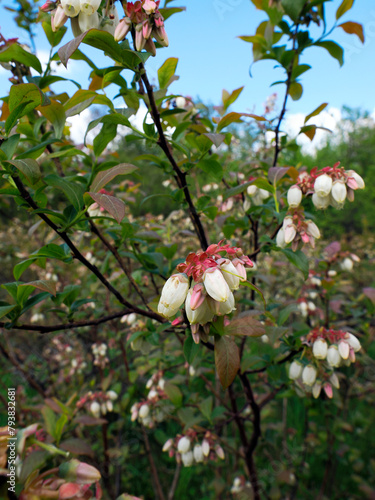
[(174, 484), (280, 362), (179, 175), (154, 471), (77, 254)]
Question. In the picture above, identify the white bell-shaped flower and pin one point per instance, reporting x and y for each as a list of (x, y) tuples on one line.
[(294, 196), (295, 370), (215, 284), (334, 380), (144, 411), (173, 295), (222, 308), (347, 264), (320, 349), (89, 6), (360, 182), (333, 356), (183, 445), (228, 271), (320, 202), (339, 191), (201, 315), (323, 185), (187, 458), (95, 409), (313, 229), (317, 387), (71, 7), (88, 21), (198, 453), (280, 238), (309, 374), (353, 342), (205, 447)]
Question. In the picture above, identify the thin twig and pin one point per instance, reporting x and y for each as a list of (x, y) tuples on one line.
[(154, 471)]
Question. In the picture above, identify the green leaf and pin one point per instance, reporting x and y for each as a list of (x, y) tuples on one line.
[(32, 462), (206, 407), (236, 190), (4, 310), (44, 285), (293, 8), (213, 168), (298, 259), (191, 349), (174, 394), (29, 168), (55, 114), (36, 151), (236, 117), (227, 360), (295, 91), (9, 146), (248, 284), (316, 111), (54, 37), (263, 184), (106, 135), (21, 267), (26, 93), (166, 72), (73, 192), (334, 49), (52, 251), (113, 205), (14, 115), (60, 424), (285, 313), (344, 7), (106, 176), (229, 99), (216, 139), (82, 99), (15, 52)]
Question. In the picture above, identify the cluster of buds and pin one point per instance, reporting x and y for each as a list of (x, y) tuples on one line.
[(100, 354), (189, 448), (144, 18), (328, 186), (150, 412), (257, 195), (329, 349), (205, 283), (307, 308), (296, 229), (239, 485), (70, 361), (84, 15), (98, 403)]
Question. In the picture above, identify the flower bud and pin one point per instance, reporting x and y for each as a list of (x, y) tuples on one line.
[(222, 308), (219, 452), (201, 315), (173, 295), (95, 409), (205, 447), (344, 349), (328, 390), (358, 179), (150, 47), (353, 342), (320, 349), (333, 356), (78, 472), (109, 405), (320, 202), (149, 7), (313, 229), (48, 6), (323, 185), (161, 36), (228, 271), (89, 6), (103, 408), (334, 381), (289, 230), (280, 238), (240, 269), (317, 387), (144, 411), (112, 395), (295, 370), (198, 453), (309, 375), (216, 285), (347, 264), (294, 196), (67, 490), (183, 445), (168, 445), (58, 18), (339, 191), (122, 29), (140, 40), (303, 308), (251, 190), (71, 7), (187, 458), (180, 102), (197, 296)]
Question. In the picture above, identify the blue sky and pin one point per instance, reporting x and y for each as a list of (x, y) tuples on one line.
[(211, 57)]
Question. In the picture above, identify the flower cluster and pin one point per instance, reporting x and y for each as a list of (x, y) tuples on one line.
[(328, 186), (188, 448), (147, 22), (84, 15), (100, 354), (239, 485), (149, 412), (295, 229), (329, 349), (205, 283), (98, 403), (257, 195), (68, 359)]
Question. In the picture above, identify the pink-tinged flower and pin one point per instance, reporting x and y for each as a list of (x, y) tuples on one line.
[(230, 274), (309, 374), (328, 390), (219, 452), (339, 191), (58, 18), (201, 314), (294, 196), (71, 7), (168, 445), (122, 29), (69, 490), (320, 349), (48, 6), (320, 202), (317, 387), (89, 6), (323, 185), (312, 229), (240, 269), (360, 183), (150, 47), (353, 342), (79, 472), (160, 35), (295, 370), (215, 285), (149, 7), (146, 29), (198, 294), (173, 295), (140, 40), (333, 356)]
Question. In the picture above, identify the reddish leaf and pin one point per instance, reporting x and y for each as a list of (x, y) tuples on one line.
[(353, 29), (370, 293), (107, 175), (87, 420), (227, 360), (45, 285), (236, 117), (245, 326), (113, 205), (276, 173), (77, 447)]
